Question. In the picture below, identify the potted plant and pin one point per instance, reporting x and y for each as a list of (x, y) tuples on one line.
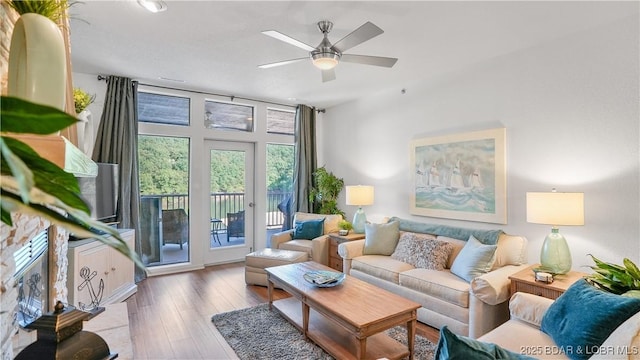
[(82, 100), (344, 226), (617, 279), (37, 56), (35, 186), (324, 195)]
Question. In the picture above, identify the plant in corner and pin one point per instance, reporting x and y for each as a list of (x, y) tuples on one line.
[(324, 195), (81, 99), (35, 186), (617, 279)]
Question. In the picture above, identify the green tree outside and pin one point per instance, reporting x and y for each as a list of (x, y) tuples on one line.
[(164, 167)]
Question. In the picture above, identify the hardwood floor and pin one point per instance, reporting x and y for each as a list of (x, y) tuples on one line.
[(170, 315)]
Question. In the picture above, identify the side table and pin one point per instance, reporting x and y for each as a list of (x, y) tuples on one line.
[(335, 239), (524, 281)]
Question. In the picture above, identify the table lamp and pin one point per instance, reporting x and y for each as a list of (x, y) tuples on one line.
[(555, 208), (359, 195)]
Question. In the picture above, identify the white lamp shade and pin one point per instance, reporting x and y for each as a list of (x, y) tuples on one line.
[(359, 195), (555, 208)]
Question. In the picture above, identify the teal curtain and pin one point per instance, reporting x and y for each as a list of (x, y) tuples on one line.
[(305, 162), (117, 142)]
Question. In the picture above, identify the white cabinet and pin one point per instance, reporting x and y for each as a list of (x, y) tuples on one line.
[(98, 274)]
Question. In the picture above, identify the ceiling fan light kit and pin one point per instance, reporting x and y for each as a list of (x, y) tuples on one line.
[(327, 56), (325, 61)]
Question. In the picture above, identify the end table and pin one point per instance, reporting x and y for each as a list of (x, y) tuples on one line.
[(335, 239), (524, 281)]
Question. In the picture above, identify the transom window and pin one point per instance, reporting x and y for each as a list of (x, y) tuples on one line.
[(225, 116), (163, 109), (280, 121)]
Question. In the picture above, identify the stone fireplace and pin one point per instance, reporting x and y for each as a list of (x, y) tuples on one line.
[(12, 238)]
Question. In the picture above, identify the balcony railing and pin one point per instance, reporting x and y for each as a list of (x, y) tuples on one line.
[(222, 203)]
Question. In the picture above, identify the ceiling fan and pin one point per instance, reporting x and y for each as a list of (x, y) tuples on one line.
[(326, 56)]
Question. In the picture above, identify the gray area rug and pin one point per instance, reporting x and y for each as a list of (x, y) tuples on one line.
[(257, 333)]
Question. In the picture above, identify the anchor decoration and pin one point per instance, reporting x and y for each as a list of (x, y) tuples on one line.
[(29, 305), (96, 298)]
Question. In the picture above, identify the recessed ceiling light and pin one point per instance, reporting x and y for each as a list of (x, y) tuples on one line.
[(153, 5)]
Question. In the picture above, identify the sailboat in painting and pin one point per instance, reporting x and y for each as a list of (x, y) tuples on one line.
[(456, 178), (475, 180)]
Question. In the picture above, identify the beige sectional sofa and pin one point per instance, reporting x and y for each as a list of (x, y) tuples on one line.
[(470, 308), (522, 334)]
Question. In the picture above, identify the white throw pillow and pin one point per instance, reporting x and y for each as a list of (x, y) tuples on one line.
[(474, 259), (512, 250)]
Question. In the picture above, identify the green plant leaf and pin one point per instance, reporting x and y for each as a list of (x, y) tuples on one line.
[(18, 169), (632, 294), (53, 10), (79, 224), (6, 217), (605, 265), (20, 116), (47, 176), (632, 269), (35, 186)]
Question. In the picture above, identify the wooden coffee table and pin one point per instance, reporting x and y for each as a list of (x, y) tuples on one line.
[(344, 317)]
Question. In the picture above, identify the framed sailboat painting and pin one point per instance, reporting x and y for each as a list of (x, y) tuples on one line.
[(460, 176)]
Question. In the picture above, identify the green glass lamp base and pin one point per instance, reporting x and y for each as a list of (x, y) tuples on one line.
[(555, 255), (359, 219)]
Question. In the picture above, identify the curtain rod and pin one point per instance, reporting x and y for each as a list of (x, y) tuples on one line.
[(232, 97)]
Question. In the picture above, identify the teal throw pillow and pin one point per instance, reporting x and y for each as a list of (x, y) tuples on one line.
[(308, 229), (381, 239), (582, 318), (474, 259), (453, 347)]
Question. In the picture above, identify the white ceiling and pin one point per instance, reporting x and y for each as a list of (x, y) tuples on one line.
[(215, 46)]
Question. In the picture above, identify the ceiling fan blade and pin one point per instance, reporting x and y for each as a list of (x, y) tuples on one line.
[(328, 75), (288, 39), (369, 60), (280, 63), (365, 32)]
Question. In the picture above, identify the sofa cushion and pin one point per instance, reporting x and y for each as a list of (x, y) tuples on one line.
[(625, 338), (521, 337), (474, 259), (297, 245), (380, 266), (512, 250), (308, 229), (330, 221), (381, 239), (439, 284), (452, 346), (422, 251), (457, 247), (566, 323), (528, 308)]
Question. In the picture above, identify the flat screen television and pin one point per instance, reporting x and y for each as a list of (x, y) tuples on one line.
[(101, 192)]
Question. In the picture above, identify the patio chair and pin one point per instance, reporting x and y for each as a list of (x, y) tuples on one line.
[(175, 227), (235, 224)]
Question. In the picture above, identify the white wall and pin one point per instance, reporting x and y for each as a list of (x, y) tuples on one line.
[(91, 85), (570, 108)]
